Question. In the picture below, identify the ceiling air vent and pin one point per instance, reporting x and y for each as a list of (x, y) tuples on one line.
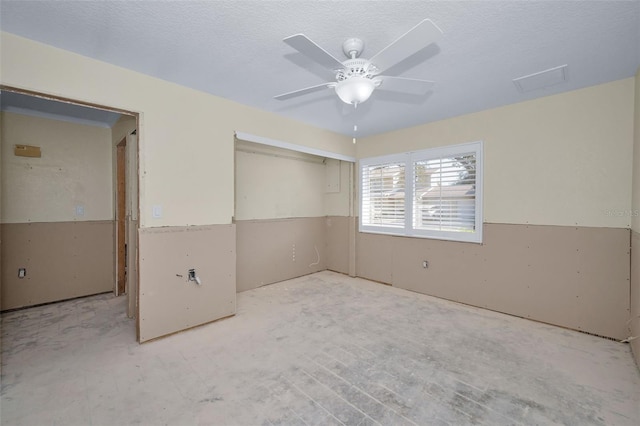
[(542, 79)]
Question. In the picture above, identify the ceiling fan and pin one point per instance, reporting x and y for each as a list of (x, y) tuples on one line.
[(356, 78)]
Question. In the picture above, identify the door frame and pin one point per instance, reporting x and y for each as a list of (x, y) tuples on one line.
[(121, 218)]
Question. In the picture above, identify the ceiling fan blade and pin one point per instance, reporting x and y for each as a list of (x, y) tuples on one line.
[(307, 47), (418, 37), (304, 91), (405, 85)]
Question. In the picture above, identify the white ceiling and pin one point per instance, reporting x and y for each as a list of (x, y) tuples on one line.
[(234, 49)]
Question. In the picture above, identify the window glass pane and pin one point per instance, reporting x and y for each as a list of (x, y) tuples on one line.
[(444, 193), (383, 189)]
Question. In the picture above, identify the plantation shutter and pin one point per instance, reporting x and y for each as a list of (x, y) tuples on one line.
[(383, 194), (444, 194)]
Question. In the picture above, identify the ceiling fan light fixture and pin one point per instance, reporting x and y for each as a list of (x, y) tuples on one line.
[(355, 90)]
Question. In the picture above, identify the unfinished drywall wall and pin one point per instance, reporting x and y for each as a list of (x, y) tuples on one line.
[(57, 211), (74, 171), (279, 249), (564, 159), (282, 200), (172, 252), (339, 232), (634, 321), (63, 260), (575, 277), (185, 143)]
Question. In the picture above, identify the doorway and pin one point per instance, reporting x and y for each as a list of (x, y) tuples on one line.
[(63, 196)]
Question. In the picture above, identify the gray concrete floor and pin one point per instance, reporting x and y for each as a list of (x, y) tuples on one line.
[(324, 349)]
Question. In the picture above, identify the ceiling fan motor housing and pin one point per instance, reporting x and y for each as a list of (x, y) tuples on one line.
[(356, 68)]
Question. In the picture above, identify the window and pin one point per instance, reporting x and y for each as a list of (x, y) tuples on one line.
[(442, 198)]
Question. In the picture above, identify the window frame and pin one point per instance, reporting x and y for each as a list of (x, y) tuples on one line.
[(409, 159)]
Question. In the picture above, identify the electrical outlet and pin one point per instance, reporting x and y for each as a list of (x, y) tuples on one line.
[(22, 272), (156, 211)]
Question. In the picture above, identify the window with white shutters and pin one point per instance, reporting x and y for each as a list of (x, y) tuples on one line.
[(383, 194), (442, 198)]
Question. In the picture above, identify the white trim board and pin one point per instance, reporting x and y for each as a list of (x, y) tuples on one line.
[(294, 147)]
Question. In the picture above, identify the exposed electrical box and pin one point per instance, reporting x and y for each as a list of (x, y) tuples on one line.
[(27, 151)]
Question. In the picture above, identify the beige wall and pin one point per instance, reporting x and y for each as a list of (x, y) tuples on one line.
[(635, 241), (282, 200), (75, 169), (63, 260), (575, 277), (564, 162), (559, 160), (173, 303), (182, 131), (338, 199), (275, 183), (276, 250), (66, 255)]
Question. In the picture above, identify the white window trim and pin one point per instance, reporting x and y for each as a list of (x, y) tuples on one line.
[(408, 158)]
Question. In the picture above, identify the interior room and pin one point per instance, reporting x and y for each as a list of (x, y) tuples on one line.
[(296, 213)]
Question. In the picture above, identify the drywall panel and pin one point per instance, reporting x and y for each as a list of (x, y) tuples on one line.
[(576, 277), (63, 260), (276, 183), (169, 302), (634, 322), (185, 136), (374, 257), (559, 160), (279, 249), (73, 171), (337, 243)]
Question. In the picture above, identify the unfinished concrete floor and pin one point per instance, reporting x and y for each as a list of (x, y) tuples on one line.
[(324, 349)]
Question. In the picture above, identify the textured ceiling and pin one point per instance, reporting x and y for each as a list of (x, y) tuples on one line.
[(234, 49)]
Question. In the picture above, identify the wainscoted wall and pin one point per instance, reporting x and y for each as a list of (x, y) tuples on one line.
[(168, 301), (274, 250), (634, 324), (575, 277), (63, 260)]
